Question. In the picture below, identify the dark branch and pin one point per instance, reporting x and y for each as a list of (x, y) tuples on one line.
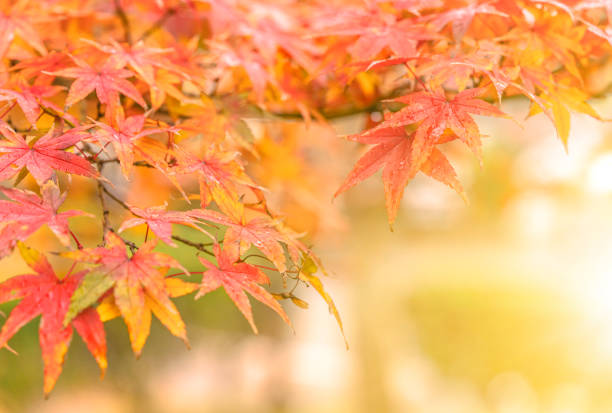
[(127, 32), (158, 24), (142, 164), (115, 198), (105, 211), (200, 246)]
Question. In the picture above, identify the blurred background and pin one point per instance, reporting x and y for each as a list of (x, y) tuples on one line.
[(500, 306)]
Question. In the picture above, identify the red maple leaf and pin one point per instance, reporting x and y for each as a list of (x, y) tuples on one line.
[(45, 156), (436, 113), (245, 57), (236, 278), (107, 80), (392, 152), (138, 286), (36, 66), (142, 59), (29, 212), (31, 98), (15, 19), (413, 6), (377, 31), (461, 18), (241, 233), (48, 295), (123, 134), (160, 221), (216, 169)]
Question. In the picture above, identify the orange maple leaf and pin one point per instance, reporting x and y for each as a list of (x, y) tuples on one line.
[(392, 152), (137, 283), (107, 80), (436, 113)]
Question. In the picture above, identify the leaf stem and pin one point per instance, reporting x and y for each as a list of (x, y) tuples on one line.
[(79, 245), (8, 110)]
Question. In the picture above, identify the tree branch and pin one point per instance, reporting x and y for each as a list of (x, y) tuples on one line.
[(127, 32), (158, 24), (200, 246), (105, 212), (115, 198), (142, 164)]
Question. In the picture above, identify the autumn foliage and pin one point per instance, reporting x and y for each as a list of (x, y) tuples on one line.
[(94, 91)]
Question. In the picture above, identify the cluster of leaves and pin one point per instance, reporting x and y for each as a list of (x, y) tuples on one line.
[(460, 57), (100, 88)]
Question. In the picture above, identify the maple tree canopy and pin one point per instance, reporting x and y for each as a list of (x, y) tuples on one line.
[(95, 91)]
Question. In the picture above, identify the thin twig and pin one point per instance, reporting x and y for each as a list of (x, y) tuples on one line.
[(102, 190), (142, 164), (184, 273), (200, 246), (243, 259), (8, 109)]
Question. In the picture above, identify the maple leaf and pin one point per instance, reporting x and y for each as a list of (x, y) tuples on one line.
[(236, 278), (47, 295), (165, 84), (244, 57), (267, 31), (27, 103), (107, 80), (35, 66), (45, 156), (413, 6), (556, 102), (216, 169), (137, 284), (15, 19), (461, 17), (557, 36), (241, 233), (26, 212), (108, 310), (393, 152), (160, 221), (458, 71), (436, 114), (123, 134), (269, 36), (31, 98), (377, 31), (142, 59)]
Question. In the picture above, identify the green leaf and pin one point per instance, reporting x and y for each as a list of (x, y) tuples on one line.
[(91, 288)]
